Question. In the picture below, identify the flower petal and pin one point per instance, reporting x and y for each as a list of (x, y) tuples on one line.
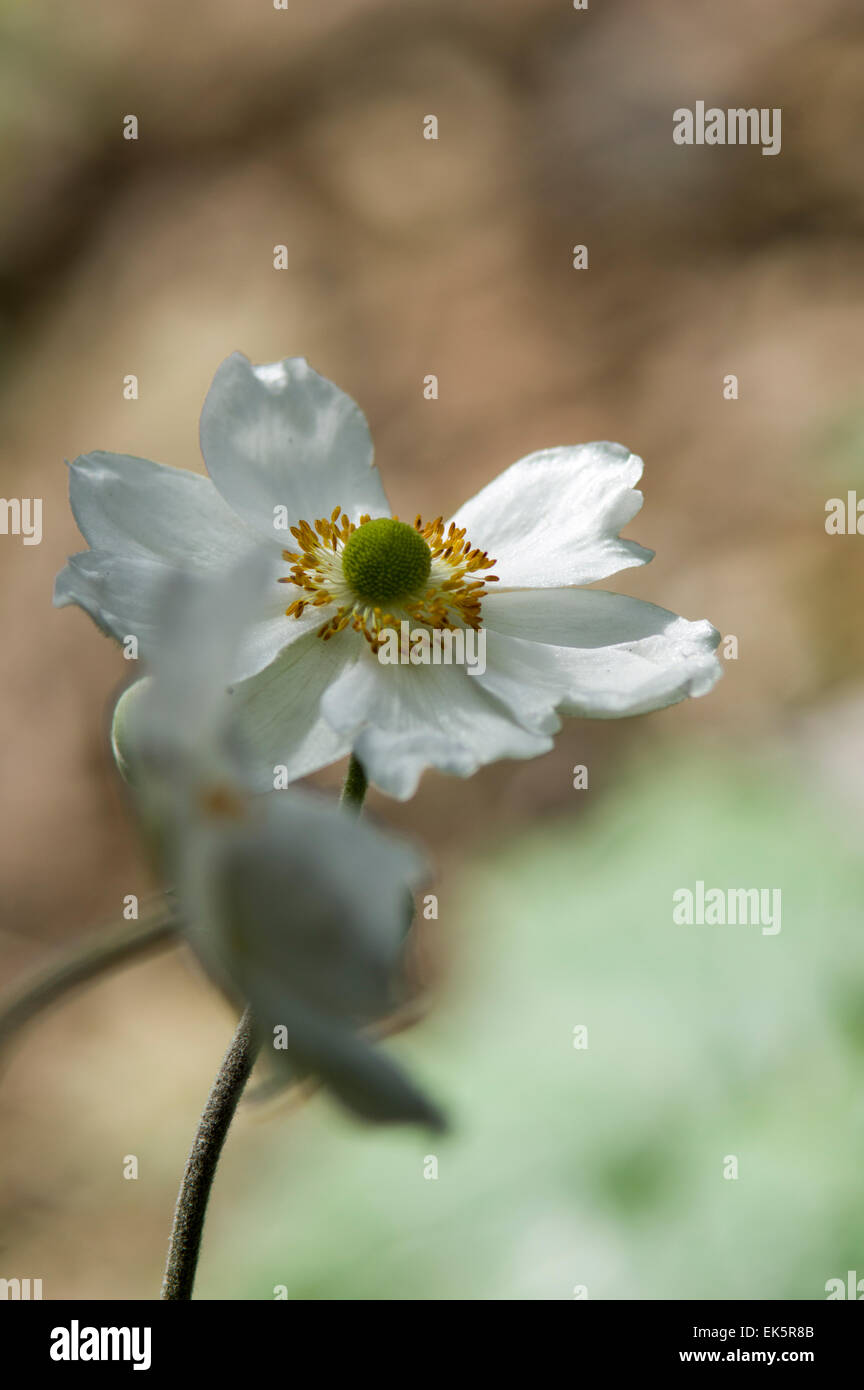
[(125, 594), (553, 518), (134, 507), (280, 435), (298, 909), (592, 653), (362, 1077), (402, 719), (289, 905), (279, 716), (121, 593), (574, 617)]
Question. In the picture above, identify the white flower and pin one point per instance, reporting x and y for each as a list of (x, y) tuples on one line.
[(286, 448), (293, 905)]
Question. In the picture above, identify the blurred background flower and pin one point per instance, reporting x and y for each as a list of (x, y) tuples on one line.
[(407, 258), (295, 907)]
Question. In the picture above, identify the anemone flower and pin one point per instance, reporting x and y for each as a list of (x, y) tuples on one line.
[(291, 475)]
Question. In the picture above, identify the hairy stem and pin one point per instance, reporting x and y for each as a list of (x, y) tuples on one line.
[(188, 1228), (99, 954)]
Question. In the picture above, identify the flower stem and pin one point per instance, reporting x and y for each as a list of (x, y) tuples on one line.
[(355, 786), (98, 954), (188, 1228)]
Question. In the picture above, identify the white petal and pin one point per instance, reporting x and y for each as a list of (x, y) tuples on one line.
[(301, 912), (363, 1077), (125, 595), (290, 875), (591, 653), (280, 435), (610, 682), (209, 634), (574, 617), (279, 716), (553, 518), (527, 679), (121, 593), (134, 507), (402, 719)]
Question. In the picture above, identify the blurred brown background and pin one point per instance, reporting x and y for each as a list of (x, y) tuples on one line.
[(407, 257)]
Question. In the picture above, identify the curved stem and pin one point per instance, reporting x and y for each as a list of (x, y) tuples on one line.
[(188, 1228), (98, 955)]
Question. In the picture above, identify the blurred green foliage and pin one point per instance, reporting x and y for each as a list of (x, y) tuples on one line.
[(604, 1166)]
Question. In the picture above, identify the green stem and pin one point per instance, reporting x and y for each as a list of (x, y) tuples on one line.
[(191, 1209), (356, 785), (99, 954)]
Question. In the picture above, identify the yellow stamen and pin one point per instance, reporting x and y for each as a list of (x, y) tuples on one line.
[(451, 596)]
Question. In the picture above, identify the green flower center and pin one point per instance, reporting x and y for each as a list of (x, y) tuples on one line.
[(385, 560)]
